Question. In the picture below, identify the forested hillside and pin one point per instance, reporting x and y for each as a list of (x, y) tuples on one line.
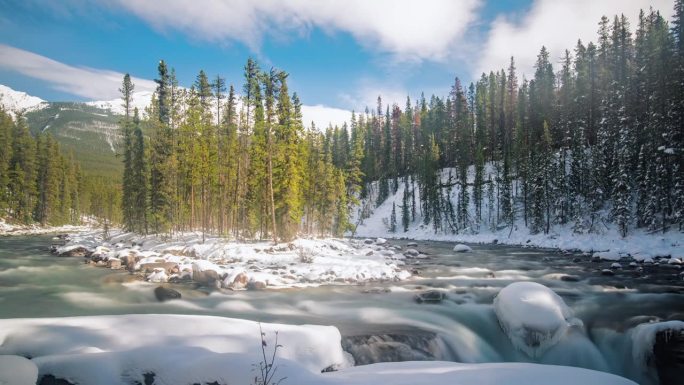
[(39, 183), (596, 141)]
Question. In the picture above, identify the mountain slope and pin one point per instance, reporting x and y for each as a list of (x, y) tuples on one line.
[(90, 133), (17, 101)]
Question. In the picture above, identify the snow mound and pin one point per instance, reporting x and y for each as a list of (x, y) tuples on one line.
[(643, 338), (424, 373), (533, 316), (461, 248), (121, 349), (16, 370)]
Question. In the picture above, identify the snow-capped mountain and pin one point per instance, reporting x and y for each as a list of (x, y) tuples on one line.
[(18, 101), (141, 100)]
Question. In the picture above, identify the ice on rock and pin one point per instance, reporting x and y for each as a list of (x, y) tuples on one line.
[(461, 248), (17, 370), (533, 316), (643, 338)]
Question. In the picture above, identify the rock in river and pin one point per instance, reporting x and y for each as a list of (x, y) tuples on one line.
[(164, 294)]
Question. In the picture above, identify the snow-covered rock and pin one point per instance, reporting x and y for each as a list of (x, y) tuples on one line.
[(380, 241), (607, 255), (643, 338), (218, 262), (615, 265), (429, 373), (17, 370), (461, 248), (533, 316), (184, 349)]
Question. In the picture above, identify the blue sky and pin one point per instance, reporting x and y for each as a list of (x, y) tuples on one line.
[(340, 54)]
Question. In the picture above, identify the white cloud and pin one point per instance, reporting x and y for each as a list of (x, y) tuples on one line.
[(103, 85), (407, 29), (81, 81), (323, 116), (556, 25)]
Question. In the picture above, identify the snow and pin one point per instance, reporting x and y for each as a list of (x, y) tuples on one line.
[(109, 349), (419, 373), (180, 349), (300, 263), (533, 316), (16, 370), (639, 244), (12, 229), (643, 338), (461, 248), (17, 101), (140, 99)]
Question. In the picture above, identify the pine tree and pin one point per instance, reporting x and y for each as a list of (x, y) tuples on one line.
[(393, 219)]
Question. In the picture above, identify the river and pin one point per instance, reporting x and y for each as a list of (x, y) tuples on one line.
[(381, 321)]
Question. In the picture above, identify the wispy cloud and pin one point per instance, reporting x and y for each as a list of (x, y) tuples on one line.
[(556, 25), (406, 29), (103, 85), (80, 81)]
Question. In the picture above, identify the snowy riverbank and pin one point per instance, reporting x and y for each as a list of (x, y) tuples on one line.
[(180, 349), (638, 244), (234, 265), (12, 229)]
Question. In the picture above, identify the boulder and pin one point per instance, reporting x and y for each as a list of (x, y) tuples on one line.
[(380, 241), (411, 252), (114, 263), (78, 251), (170, 267), (239, 282), (431, 296), (570, 278), (412, 244), (204, 277), (164, 294), (461, 248), (256, 285), (607, 272)]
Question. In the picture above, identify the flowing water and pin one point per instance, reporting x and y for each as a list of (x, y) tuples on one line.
[(384, 321)]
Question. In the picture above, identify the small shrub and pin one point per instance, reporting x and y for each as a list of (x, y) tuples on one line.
[(267, 368), (305, 255)]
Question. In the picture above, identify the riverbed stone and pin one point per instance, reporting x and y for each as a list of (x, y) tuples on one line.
[(114, 263), (607, 272), (205, 277), (570, 278), (76, 252), (239, 282), (164, 294), (49, 379), (170, 267), (430, 296), (256, 285)]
